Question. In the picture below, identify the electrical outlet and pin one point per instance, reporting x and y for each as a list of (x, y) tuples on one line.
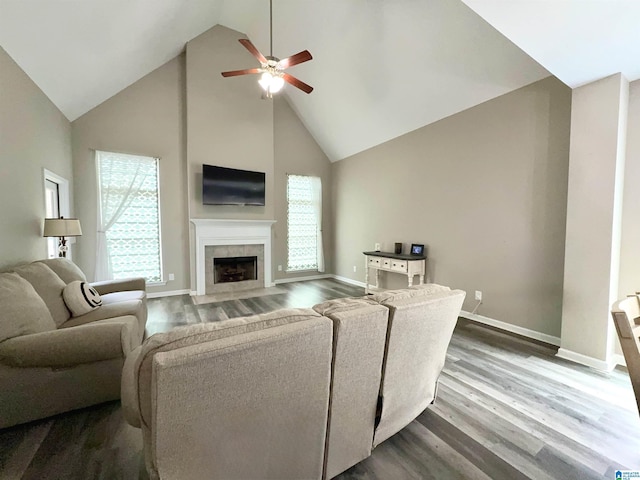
[(377, 249), (279, 268), (478, 295), (355, 269), (172, 277)]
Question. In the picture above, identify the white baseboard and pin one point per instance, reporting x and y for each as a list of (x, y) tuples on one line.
[(586, 360), (619, 359), (303, 279), (525, 332), (167, 294), (350, 281)]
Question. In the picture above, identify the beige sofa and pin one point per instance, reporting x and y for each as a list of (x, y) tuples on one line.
[(51, 362), (292, 394)]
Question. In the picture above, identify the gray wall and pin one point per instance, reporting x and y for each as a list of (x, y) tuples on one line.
[(187, 114), (297, 153), (147, 118), (485, 190), (594, 213), (228, 124), (629, 251), (34, 135)]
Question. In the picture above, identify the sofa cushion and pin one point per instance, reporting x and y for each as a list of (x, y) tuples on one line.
[(411, 292), (23, 312), (65, 269), (359, 336), (340, 305), (419, 332), (49, 286), (113, 306), (80, 298), (200, 333)]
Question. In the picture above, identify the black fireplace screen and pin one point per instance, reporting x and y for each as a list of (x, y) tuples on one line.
[(235, 269)]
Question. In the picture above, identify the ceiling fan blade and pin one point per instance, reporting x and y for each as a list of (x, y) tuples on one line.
[(253, 50), (301, 57), (235, 73), (297, 83)]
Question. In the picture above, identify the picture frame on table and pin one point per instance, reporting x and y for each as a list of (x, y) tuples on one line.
[(417, 249)]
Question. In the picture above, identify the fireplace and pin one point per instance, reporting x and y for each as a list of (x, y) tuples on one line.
[(217, 238), (235, 269)]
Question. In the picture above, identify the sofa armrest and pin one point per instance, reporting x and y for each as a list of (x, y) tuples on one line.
[(122, 285), (129, 389), (66, 347)]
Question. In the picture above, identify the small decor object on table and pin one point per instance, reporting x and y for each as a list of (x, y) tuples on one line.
[(417, 249), (398, 248)]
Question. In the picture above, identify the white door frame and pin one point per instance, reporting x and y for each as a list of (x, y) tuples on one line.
[(64, 201)]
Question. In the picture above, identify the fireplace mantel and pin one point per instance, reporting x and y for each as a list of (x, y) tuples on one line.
[(231, 232)]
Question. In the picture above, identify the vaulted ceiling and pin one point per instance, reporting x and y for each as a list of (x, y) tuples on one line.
[(380, 68)]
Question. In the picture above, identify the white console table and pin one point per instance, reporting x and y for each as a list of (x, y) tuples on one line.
[(409, 265)]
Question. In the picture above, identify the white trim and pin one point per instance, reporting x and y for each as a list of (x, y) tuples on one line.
[(586, 360), (350, 281), (64, 200), (525, 332), (231, 232), (168, 294), (619, 359), (193, 293), (63, 191), (303, 279)]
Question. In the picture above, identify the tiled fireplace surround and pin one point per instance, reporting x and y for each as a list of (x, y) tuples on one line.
[(231, 238)]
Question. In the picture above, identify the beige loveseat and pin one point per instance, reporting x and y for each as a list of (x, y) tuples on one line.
[(51, 362), (292, 394)]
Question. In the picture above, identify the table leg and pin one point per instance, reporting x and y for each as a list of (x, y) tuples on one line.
[(421, 279), (377, 271), (410, 280), (366, 278)]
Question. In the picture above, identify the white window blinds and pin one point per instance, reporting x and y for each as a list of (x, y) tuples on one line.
[(128, 218), (304, 220)]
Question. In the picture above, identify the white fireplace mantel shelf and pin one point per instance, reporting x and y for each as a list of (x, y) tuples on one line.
[(231, 232)]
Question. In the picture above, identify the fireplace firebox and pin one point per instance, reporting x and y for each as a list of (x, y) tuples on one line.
[(235, 269)]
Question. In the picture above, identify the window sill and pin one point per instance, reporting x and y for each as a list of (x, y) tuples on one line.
[(302, 271), (156, 284)]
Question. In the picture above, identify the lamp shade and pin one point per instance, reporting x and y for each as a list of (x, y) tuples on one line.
[(62, 227)]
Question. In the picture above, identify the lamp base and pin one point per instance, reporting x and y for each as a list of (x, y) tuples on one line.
[(62, 247)]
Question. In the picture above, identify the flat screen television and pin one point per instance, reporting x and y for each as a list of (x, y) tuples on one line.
[(230, 186)]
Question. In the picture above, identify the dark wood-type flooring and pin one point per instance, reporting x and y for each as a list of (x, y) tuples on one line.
[(507, 409)]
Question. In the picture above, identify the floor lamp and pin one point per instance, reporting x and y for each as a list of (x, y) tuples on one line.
[(61, 228)]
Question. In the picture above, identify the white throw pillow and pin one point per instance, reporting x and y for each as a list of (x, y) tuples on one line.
[(81, 298)]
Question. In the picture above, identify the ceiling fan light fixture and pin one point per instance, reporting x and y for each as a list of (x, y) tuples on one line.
[(272, 68), (271, 83)]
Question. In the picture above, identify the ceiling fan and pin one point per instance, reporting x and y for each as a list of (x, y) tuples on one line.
[(272, 68)]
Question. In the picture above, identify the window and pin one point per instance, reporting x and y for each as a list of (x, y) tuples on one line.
[(304, 220), (129, 217)]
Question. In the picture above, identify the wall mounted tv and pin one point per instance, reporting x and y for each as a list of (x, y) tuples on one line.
[(229, 186)]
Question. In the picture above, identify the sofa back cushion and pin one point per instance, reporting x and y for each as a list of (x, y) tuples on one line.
[(244, 399), (196, 334), (22, 311), (359, 336), (411, 292), (49, 286), (420, 329), (65, 269)]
